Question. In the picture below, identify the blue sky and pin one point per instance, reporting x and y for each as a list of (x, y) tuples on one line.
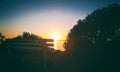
[(43, 17)]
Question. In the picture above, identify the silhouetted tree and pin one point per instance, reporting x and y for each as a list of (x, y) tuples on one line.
[(27, 35), (1, 38), (94, 41)]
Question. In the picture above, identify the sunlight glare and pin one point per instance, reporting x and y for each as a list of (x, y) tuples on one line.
[(55, 36)]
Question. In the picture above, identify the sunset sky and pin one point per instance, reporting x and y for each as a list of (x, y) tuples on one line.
[(44, 17)]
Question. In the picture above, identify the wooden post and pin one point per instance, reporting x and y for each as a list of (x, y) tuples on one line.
[(45, 58), (45, 51)]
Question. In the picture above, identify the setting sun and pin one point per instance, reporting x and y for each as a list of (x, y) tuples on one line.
[(55, 36)]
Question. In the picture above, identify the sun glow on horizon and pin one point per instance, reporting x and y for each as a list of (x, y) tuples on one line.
[(55, 36)]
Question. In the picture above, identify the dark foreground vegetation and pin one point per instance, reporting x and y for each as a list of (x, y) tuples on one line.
[(92, 45)]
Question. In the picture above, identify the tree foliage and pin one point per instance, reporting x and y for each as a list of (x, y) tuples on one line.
[(96, 39), (1, 38), (102, 24), (27, 35)]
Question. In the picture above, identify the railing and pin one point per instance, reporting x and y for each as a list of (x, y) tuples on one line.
[(31, 44), (40, 44)]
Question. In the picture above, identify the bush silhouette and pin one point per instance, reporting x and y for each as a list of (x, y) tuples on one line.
[(94, 41), (1, 38)]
